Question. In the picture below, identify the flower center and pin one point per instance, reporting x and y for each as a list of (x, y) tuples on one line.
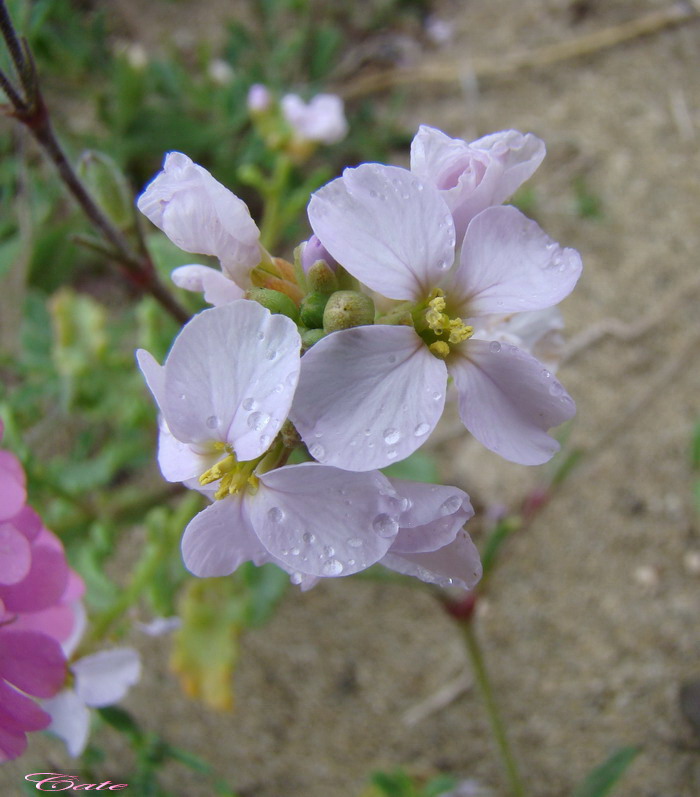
[(234, 475), (437, 329)]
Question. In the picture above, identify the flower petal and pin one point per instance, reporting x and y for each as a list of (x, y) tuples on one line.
[(105, 677), (368, 396), (32, 662), (200, 215), (387, 228), (216, 287), (15, 555), (231, 376), (508, 264), (44, 584), (177, 461), (12, 486), (508, 401), (455, 565), (70, 720), (154, 374), (324, 521), (19, 712), (220, 538), (434, 515)]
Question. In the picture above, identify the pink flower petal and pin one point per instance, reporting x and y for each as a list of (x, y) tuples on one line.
[(230, 376), (28, 522), (368, 396), (12, 486), (220, 538), (455, 565), (324, 521), (508, 401), (216, 287), (387, 228), (434, 515), (508, 264), (12, 744), (43, 585), (15, 555), (32, 662), (20, 713)]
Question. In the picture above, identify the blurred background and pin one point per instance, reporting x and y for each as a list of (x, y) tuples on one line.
[(590, 621)]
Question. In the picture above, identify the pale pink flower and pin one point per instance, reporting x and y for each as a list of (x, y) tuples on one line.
[(473, 177), (370, 395), (322, 119), (200, 215), (259, 98)]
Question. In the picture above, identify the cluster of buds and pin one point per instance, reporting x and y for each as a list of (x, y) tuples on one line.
[(412, 276), (41, 622)]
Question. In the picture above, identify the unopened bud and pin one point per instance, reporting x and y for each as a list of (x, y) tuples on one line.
[(311, 310), (259, 98), (275, 301), (347, 309), (309, 337), (106, 182), (321, 278)]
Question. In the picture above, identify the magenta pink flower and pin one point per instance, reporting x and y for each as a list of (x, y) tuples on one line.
[(38, 612), (370, 395)]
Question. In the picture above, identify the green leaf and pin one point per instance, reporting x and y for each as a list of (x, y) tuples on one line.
[(394, 784), (123, 722), (602, 779), (695, 448), (419, 467)]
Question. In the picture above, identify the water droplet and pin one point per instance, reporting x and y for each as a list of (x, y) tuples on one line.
[(317, 451), (421, 429), (419, 186), (278, 388), (392, 358), (309, 537), (355, 542), (275, 515), (182, 396), (373, 194), (368, 432), (328, 551), (555, 389), (295, 551), (270, 354), (437, 396), (494, 347), (296, 578), (257, 421), (385, 525), (249, 404), (291, 379), (546, 374), (212, 422), (261, 336), (392, 453), (332, 568), (265, 440), (451, 505), (391, 436)]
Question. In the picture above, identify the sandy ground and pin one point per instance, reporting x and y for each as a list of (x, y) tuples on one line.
[(591, 622)]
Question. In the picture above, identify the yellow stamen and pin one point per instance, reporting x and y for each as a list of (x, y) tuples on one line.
[(439, 349), (218, 471), (459, 331)]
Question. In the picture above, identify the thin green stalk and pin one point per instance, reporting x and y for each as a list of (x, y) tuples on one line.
[(515, 783), (273, 212)]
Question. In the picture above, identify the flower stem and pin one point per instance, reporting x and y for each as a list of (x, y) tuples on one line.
[(272, 220), (516, 785)]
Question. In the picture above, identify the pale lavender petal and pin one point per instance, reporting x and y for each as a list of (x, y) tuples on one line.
[(15, 555), (216, 286), (519, 156), (432, 518), (508, 400), (231, 376), (368, 396), (322, 119), (70, 720), (455, 565), (154, 374), (105, 677), (508, 265), (200, 215), (177, 461), (387, 228), (324, 521), (220, 538), (12, 489)]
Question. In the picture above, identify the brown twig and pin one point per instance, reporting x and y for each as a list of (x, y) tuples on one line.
[(530, 59), (27, 106)]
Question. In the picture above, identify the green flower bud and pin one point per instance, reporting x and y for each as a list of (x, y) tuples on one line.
[(311, 310), (106, 182), (321, 278), (275, 301), (347, 309), (310, 336)]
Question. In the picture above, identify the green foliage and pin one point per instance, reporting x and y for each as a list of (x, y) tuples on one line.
[(400, 784), (605, 777)]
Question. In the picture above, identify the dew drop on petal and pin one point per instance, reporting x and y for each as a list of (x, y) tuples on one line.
[(295, 551), (355, 542), (392, 358), (275, 514), (317, 451), (451, 505), (391, 436), (258, 421), (437, 396), (546, 374), (328, 551), (308, 537), (261, 336), (270, 354), (212, 422), (367, 432), (332, 568), (291, 379), (421, 429), (385, 525), (265, 440), (494, 347), (296, 578), (249, 404), (392, 453), (555, 389)]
